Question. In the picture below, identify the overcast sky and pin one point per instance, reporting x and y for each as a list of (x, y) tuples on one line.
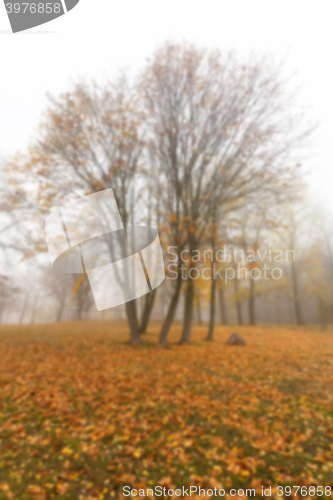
[(98, 36)]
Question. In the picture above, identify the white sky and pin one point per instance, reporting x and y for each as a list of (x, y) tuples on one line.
[(100, 35)]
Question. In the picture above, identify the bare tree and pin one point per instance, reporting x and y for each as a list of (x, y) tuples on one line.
[(219, 125), (296, 235), (90, 140)]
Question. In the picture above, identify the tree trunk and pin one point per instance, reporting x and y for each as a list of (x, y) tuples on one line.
[(238, 303), (2, 308), (290, 311), (80, 303), (24, 308), (223, 310), (34, 309), (277, 307), (61, 307), (147, 310), (252, 316), (211, 311), (199, 311), (188, 313), (171, 313), (132, 319), (297, 305), (79, 313)]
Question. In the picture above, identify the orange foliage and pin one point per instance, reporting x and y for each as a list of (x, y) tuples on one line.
[(82, 413)]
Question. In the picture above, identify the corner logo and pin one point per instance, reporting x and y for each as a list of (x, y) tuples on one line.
[(87, 235), (24, 15)]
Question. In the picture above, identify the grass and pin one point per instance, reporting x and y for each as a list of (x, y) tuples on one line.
[(82, 413)]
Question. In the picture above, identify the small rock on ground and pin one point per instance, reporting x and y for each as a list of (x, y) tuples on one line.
[(236, 339)]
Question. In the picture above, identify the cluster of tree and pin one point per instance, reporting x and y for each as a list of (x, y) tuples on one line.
[(202, 145)]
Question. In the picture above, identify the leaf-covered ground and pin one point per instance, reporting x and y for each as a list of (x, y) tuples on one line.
[(83, 413)]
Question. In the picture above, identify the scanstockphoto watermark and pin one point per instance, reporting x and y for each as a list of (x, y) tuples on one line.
[(227, 263), (278, 491), (159, 491)]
